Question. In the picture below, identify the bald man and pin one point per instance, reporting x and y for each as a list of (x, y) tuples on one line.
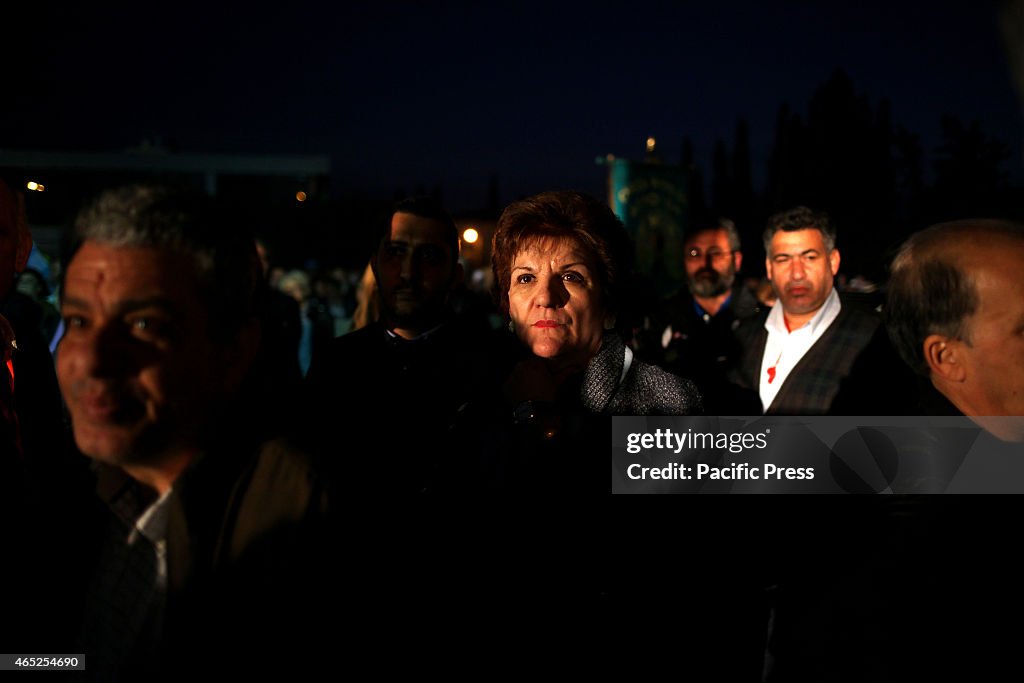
[(956, 314)]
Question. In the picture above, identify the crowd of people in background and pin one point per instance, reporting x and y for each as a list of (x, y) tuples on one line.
[(231, 411)]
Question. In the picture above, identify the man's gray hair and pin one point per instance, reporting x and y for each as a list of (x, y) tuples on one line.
[(164, 218)]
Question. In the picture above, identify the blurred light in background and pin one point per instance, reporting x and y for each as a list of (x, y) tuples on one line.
[(470, 235)]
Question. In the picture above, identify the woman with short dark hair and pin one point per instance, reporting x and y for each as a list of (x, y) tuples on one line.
[(560, 260)]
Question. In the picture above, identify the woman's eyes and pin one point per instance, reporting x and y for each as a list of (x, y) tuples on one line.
[(571, 276)]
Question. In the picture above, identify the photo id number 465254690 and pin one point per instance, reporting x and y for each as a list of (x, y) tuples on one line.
[(52, 662)]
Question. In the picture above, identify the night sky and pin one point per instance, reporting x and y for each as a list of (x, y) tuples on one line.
[(421, 94)]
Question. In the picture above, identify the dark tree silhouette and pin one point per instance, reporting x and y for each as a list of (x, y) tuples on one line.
[(969, 179), (851, 160), (697, 204), (721, 180)]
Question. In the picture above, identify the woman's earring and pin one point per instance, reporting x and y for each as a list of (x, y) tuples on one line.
[(511, 325)]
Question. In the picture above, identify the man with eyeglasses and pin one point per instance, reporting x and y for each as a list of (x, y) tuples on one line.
[(698, 339), (798, 356)]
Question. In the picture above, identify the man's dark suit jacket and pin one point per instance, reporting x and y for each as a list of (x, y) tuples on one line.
[(248, 550), (814, 384), (249, 554)]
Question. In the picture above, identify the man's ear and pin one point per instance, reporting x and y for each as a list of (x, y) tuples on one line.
[(944, 358), (768, 269), (737, 260), (239, 353), (833, 261)]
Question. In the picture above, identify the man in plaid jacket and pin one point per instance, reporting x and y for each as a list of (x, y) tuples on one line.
[(800, 356)]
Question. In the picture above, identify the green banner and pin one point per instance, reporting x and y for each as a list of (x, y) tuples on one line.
[(650, 199)]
